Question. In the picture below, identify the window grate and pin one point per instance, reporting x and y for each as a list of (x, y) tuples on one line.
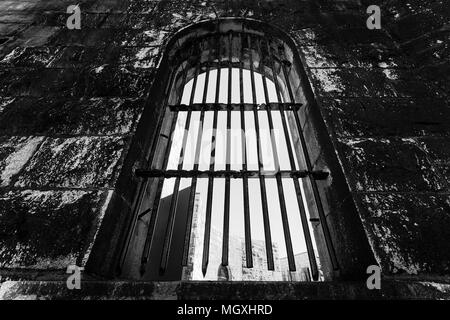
[(205, 85)]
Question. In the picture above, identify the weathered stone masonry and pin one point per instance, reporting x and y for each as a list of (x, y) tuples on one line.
[(70, 102)]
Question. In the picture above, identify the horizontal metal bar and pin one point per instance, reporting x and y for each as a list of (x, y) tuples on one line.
[(145, 212), (235, 107), (142, 173)]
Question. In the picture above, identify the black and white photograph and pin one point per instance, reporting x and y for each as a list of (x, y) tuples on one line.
[(227, 155)]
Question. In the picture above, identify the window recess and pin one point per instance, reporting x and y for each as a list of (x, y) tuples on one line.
[(230, 193)]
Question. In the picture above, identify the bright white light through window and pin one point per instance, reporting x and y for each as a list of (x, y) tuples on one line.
[(236, 244)]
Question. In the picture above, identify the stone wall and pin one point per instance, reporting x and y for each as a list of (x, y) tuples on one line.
[(70, 102)]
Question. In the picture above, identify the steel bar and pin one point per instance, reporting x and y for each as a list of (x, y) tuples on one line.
[(281, 197), (247, 221), (319, 206), (206, 240), (207, 235), (193, 190), (255, 44), (298, 192), (187, 237), (303, 217), (226, 212), (173, 204), (262, 183), (151, 226), (137, 204)]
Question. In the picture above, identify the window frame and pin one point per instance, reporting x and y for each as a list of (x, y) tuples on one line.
[(346, 247)]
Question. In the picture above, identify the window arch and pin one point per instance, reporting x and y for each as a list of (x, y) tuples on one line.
[(230, 193)]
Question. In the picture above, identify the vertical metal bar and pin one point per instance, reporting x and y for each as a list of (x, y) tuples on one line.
[(206, 240), (151, 227), (315, 189), (252, 73), (275, 79), (282, 200), (174, 201), (303, 217), (207, 74), (173, 204), (187, 237), (143, 185), (207, 235), (226, 213), (262, 183), (306, 232), (194, 85), (247, 222)]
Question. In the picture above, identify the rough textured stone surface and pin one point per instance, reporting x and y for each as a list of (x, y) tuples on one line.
[(14, 154), (389, 117), (47, 229), (93, 290), (71, 100), (80, 162), (391, 165), (407, 230), (48, 116)]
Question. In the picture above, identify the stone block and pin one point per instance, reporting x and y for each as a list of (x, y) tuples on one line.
[(361, 56), (356, 117), (110, 81), (407, 231), (14, 154), (30, 57), (79, 162), (382, 165), (48, 229), (40, 82), (374, 82), (53, 116)]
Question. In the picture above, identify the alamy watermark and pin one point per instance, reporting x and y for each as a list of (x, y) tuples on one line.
[(213, 147), (74, 20), (74, 280), (374, 280), (374, 20)]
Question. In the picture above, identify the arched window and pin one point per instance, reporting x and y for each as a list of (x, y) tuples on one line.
[(229, 191)]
